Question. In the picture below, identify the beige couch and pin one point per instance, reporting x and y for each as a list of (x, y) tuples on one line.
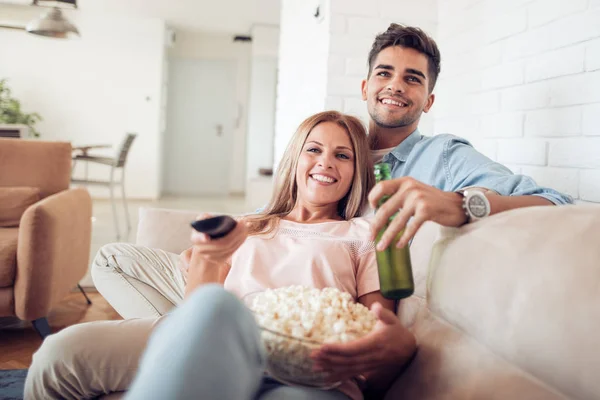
[(507, 308)]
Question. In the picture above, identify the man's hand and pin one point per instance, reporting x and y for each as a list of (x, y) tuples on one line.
[(387, 347), (411, 198)]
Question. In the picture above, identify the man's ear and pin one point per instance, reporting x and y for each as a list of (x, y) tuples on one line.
[(429, 104), (363, 89)]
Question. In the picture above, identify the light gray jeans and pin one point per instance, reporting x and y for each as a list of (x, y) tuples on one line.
[(211, 346), (142, 284)]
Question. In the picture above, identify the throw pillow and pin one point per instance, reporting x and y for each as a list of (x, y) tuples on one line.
[(13, 203)]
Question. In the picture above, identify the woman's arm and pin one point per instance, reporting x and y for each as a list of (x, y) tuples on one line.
[(380, 379), (206, 271), (184, 264)]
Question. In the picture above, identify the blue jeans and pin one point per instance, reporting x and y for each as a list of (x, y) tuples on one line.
[(209, 348)]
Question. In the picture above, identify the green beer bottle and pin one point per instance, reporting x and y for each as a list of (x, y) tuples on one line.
[(395, 270)]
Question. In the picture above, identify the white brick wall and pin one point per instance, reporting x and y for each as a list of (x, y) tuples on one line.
[(526, 97), (592, 56), (521, 80), (589, 188), (502, 125), (579, 153), (591, 119), (554, 122), (522, 151), (560, 62), (544, 11), (504, 75)]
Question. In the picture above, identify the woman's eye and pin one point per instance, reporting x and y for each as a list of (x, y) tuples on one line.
[(343, 156), (312, 150)]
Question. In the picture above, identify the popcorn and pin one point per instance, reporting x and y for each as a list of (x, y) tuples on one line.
[(306, 317)]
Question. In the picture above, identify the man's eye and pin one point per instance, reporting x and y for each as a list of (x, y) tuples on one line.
[(383, 73), (413, 79)]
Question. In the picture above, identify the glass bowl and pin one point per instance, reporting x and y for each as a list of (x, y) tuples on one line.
[(288, 357)]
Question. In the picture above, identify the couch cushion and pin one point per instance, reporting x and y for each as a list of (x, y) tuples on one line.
[(13, 203), (164, 229), (525, 284), (8, 256), (450, 365)]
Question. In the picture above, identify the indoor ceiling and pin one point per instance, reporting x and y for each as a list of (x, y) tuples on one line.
[(225, 16), (231, 16)]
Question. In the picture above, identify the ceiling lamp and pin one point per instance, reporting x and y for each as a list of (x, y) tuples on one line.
[(53, 23)]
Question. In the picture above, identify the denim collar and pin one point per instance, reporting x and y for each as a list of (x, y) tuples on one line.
[(402, 151)]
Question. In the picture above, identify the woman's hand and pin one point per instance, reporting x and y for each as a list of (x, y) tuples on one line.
[(209, 258), (217, 251), (379, 356)]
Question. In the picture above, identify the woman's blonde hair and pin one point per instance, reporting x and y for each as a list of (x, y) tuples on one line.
[(285, 190)]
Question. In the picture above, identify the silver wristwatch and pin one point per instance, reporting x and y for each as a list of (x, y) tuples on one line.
[(475, 204)]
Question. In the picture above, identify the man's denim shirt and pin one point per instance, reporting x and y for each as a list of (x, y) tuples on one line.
[(451, 163)]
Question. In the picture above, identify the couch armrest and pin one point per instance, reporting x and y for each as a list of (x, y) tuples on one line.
[(53, 251), (165, 229)]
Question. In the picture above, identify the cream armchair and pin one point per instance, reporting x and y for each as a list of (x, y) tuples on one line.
[(45, 229)]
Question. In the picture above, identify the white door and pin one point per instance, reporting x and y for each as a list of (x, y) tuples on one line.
[(201, 113)]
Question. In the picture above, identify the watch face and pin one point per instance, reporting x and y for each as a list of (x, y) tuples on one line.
[(477, 206)]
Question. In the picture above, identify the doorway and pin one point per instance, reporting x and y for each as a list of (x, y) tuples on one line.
[(201, 112)]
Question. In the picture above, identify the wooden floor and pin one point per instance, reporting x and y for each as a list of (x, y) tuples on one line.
[(18, 343)]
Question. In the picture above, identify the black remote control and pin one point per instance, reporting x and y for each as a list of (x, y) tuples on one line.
[(215, 227)]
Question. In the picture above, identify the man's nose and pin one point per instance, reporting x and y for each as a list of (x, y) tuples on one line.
[(396, 85)]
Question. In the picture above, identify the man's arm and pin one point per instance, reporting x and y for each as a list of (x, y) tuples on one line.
[(504, 203), (463, 167), (419, 202), (466, 167)]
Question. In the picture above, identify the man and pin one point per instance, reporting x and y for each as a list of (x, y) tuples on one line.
[(441, 178), (433, 174)]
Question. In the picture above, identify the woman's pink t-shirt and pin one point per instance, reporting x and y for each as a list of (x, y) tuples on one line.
[(330, 254)]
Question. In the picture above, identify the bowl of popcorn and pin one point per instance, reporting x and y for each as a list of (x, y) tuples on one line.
[(297, 320)]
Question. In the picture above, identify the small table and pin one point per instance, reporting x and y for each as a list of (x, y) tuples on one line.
[(84, 149)]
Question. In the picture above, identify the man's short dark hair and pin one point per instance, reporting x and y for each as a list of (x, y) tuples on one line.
[(409, 37)]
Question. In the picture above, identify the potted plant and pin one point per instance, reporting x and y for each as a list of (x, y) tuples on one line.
[(11, 113)]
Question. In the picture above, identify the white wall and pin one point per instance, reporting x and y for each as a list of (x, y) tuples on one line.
[(197, 45), (521, 80), (93, 89), (322, 64), (302, 81), (261, 106)]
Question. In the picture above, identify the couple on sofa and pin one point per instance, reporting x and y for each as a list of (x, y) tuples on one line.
[(311, 233)]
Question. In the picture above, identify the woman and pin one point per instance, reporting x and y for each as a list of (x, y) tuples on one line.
[(309, 234)]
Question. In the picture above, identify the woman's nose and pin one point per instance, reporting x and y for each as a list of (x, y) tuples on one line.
[(326, 161)]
